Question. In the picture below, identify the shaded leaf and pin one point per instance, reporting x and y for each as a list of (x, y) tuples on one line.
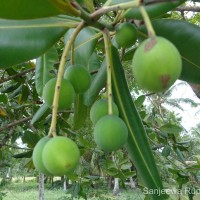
[(80, 112), (171, 128), (30, 139), (44, 69), (3, 98), (27, 154), (166, 151), (41, 113)]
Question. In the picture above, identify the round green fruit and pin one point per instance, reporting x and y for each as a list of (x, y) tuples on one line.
[(66, 97), (79, 77), (126, 35), (37, 155), (110, 133), (156, 64), (60, 155), (100, 109)]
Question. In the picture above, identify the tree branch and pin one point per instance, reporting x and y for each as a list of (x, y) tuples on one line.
[(15, 123), (188, 8), (16, 75)]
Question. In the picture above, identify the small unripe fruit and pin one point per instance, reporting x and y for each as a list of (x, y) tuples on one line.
[(66, 97), (37, 155), (60, 155), (100, 109), (126, 35), (79, 77), (156, 64), (110, 133)]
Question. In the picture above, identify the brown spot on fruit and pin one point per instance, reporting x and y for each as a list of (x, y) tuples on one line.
[(164, 80)]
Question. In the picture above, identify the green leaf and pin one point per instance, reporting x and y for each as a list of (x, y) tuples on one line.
[(154, 9), (137, 146), (23, 9), (97, 84), (28, 39), (80, 112), (88, 4), (30, 138), (186, 37), (41, 113), (171, 128), (44, 69), (139, 101), (27, 154), (3, 98), (84, 45), (166, 151)]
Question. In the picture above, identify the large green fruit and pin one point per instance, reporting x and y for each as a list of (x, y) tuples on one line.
[(79, 77), (156, 64), (60, 155), (100, 109), (66, 97), (37, 155), (126, 35), (110, 133)]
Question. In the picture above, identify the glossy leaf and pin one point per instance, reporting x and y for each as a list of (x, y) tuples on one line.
[(154, 9), (28, 39), (84, 45), (23, 9), (44, 69), (186, 37), (137, 146)]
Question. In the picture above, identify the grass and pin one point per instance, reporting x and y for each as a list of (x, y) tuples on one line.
[(29, 190)]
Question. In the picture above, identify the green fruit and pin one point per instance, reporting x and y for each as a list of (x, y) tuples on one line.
[(79, 77), (66, 97), (156, 64), (100, 109), (110, 133), (126, 35), (37, 155), (60, 155)]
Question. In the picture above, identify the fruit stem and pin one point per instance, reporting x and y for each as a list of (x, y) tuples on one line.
[(52, 130), (147, 21), (107, 41)]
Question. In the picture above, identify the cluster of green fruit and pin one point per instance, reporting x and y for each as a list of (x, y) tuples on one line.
[(110, 131), (76, 80), (156, 62), (56, 156)]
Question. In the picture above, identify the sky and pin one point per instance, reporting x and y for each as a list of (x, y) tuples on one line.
[(190, 116)]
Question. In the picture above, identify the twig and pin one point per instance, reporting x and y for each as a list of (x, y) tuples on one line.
[(16, 75), (15, 123)]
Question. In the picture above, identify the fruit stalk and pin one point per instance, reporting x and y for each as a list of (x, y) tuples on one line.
[(147, 21), (52, 130), (107, 41)]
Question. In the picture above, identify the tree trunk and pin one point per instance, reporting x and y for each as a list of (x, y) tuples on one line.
[(116, 186), (41, 186), (132, 183), (65, 183)]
